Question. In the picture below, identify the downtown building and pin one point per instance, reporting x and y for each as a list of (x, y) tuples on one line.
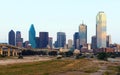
[(44, 39), (37, 42), (93, 42), (11, 38), (83, 34), (70, 44), (19, 40), (101, 30), (32, 38), (108, 40), (50, 43), (61, 39), (76, 37)]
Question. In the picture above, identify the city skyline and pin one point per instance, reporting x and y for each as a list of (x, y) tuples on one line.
[(65, 17)]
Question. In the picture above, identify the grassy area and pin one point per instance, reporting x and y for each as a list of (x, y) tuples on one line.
[(113, 70), (52, 67), (8, 57)]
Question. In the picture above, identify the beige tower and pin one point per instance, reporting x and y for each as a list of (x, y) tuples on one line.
[(69, 43), (101, 30)]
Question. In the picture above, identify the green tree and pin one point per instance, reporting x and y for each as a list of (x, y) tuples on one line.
[(102, 56)]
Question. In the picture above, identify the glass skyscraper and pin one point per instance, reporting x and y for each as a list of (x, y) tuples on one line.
[(101, 30), (61, 39), (44, 36), (11, 38), (83, 34), (94, 42), (76, 40), (32, 38)]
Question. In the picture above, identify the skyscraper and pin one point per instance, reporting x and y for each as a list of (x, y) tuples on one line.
[(76, 40), (70, 43), (11, 38), (19, 40), (50, 42), (37, 42), (43, 39), (108, 40), (83, 34), (61, 39), (32, 34), (94, 42), (101, 30)]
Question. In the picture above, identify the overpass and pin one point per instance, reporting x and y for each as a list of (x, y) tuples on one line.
[(11, 50)]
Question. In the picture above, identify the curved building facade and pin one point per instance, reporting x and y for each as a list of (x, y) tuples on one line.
[(101, 30), (32, 38)]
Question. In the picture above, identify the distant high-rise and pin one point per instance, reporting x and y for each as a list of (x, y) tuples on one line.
[(61, 39), (50, 42), (108, 40), (19, 40), (76, 40), (37, 42), (11, 38), (101, 30), (83, 34), (70, 43), (32, 38), (43, 39), (94, 42)]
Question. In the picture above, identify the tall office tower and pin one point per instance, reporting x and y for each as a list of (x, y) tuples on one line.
[(43, 39), (94, 42), (70, 43), (32, 34), (50, 43), (37, 42), (11, 38), (61, 39), (101, 30), (83, 34), (19, 40), (76, 40), (108, 40)]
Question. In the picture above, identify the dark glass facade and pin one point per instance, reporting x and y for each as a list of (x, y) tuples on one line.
[(61, 39), (11, 38), (76, 40), (37, 42), (44, 39), (94, 42)]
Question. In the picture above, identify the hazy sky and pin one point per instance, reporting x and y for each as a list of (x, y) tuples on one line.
[(57, 15)]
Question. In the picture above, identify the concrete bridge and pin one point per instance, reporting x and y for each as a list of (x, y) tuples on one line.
[(11, 50)]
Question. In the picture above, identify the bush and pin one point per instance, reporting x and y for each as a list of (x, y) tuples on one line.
[(112, 56), (102, 56)]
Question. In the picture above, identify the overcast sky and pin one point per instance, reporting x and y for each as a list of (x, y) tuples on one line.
[(57, 15)]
